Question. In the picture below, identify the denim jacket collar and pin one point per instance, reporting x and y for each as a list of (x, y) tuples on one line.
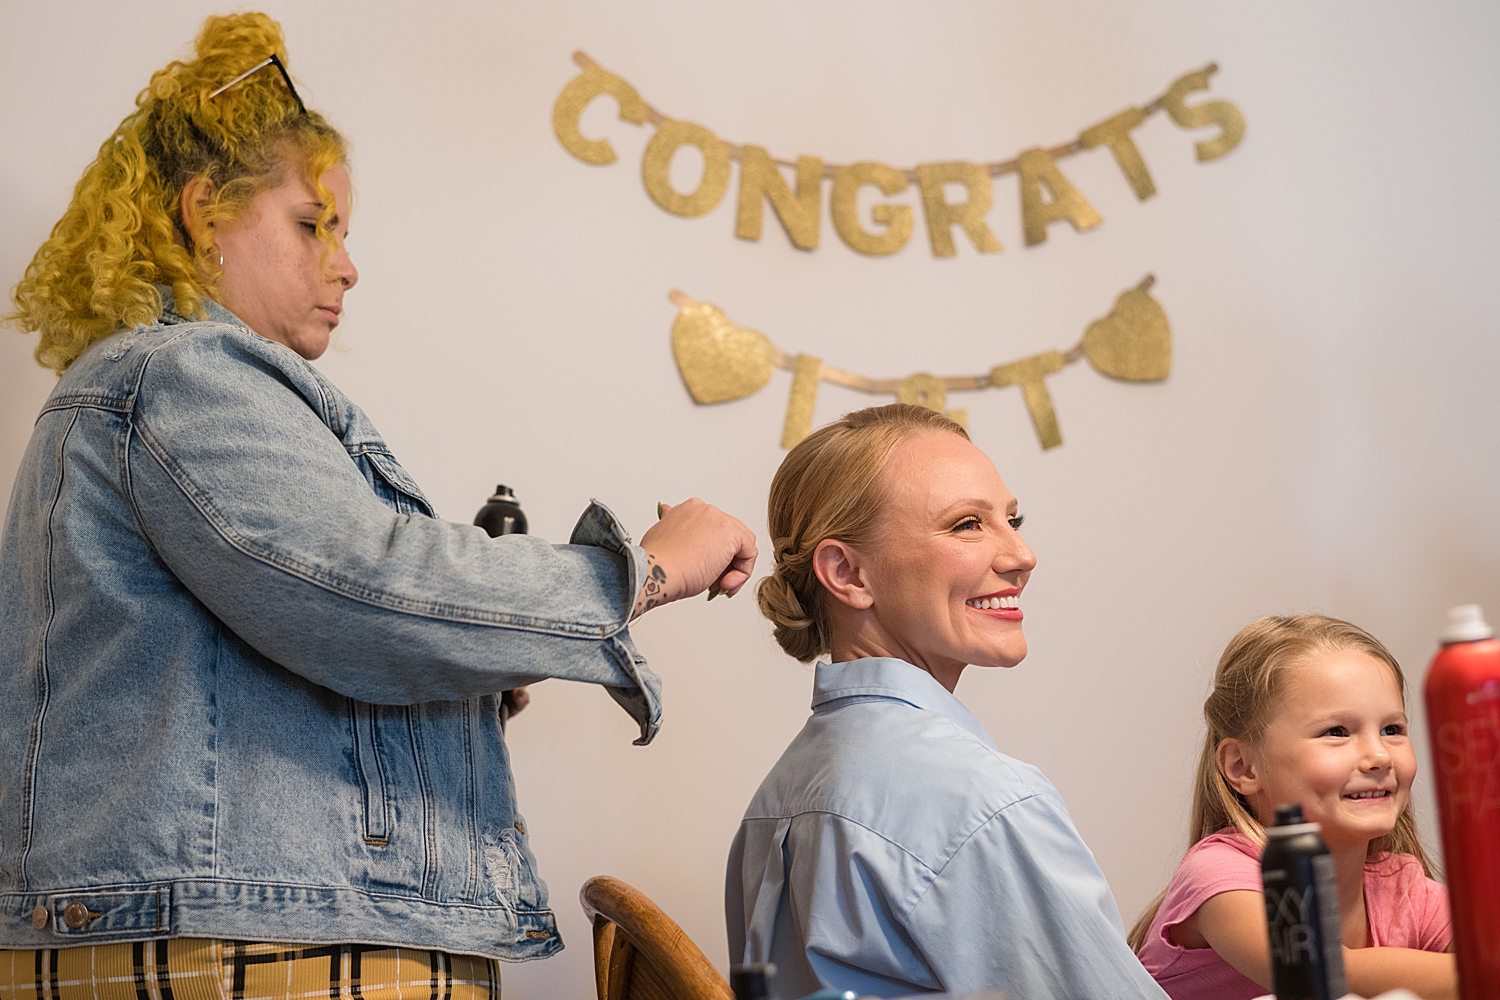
[(212, 311), (888, 677)]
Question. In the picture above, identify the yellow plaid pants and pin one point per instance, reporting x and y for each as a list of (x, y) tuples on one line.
[(205, 969)]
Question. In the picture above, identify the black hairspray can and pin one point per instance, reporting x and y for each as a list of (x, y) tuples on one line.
[(752, 982), (501, 514), (1302, 910)]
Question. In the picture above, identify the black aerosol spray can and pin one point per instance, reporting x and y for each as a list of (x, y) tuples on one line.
[(1302, 910), (752, 982), (502, 515)]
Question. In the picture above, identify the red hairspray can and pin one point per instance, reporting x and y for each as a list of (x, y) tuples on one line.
[(1463, 719)]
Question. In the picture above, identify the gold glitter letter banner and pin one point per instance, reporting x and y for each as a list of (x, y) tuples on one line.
[(1047, 196), (720, 361)]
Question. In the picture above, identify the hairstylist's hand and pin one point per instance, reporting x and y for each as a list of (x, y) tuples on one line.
[(693, 548)]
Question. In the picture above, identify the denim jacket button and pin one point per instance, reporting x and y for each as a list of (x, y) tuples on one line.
[(521, 829), (39, 917), (75, 915)]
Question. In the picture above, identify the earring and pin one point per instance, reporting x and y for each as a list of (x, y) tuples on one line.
[(221, 258)]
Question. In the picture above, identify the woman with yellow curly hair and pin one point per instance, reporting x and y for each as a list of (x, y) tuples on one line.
[(251, 741)]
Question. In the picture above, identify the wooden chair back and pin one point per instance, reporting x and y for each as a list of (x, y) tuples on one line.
[(640, 953)]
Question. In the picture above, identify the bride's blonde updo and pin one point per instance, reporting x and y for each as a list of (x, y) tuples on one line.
[(828, 487)]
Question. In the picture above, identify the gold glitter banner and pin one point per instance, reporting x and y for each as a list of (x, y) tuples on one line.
[(1047, 196), (720, 361)]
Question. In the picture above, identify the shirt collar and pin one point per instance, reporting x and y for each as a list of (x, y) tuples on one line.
[(888, 677), (213, 312)]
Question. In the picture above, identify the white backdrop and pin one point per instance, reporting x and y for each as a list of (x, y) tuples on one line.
[(1326, 440)]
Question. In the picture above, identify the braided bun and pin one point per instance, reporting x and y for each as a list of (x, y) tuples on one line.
[(828, 487), (799, 633)]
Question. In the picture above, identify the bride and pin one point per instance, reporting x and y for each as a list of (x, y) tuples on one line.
[(893, 849)]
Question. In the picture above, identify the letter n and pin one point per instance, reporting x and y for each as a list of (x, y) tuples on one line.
[(800, 214)]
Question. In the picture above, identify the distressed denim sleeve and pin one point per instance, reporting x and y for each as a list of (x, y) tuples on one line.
[(255, 506)]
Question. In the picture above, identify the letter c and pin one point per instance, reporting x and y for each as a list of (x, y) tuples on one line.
[(575, 97)]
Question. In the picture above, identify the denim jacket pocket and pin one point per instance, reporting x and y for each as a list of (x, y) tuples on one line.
[(372, 773)]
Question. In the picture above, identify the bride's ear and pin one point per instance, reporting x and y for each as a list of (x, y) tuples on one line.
[(840, 569)]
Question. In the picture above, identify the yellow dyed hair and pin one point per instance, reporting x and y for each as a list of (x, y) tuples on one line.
[(123, 232), (1247, 691)]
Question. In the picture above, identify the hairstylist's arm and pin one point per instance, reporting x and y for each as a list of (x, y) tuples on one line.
[(694, 547), (1234, 925)]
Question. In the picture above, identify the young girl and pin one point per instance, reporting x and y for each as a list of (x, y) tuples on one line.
[(1312, 710)]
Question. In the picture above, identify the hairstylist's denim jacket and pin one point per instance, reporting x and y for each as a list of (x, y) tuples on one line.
[(247, 679)]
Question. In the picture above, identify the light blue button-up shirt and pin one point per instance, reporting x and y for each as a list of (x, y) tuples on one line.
[(894, 850)]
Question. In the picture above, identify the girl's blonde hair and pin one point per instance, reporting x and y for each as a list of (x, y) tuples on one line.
[(828, 487), (1247, 689), (123, 232)]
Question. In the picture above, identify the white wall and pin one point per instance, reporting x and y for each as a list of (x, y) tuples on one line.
[(1326, 441)]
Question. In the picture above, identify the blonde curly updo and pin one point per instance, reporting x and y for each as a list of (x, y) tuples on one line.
[(828, 486)]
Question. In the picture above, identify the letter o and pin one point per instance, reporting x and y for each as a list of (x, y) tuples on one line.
[(655, 167)]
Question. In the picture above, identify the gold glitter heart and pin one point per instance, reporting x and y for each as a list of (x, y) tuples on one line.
[(718, 360), (1134, 342)]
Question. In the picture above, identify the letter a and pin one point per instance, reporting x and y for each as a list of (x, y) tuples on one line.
[(1038, 171)]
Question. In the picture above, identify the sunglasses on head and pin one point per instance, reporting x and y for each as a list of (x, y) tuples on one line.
[(273, 61)]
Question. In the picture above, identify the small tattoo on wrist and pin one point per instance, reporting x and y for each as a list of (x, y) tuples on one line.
[(653, 591)]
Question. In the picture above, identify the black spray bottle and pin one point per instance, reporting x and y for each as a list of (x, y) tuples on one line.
[(1302, 910), (502, 515), (751, 982)]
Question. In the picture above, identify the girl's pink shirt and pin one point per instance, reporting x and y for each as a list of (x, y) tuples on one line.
[(1406, 910)]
